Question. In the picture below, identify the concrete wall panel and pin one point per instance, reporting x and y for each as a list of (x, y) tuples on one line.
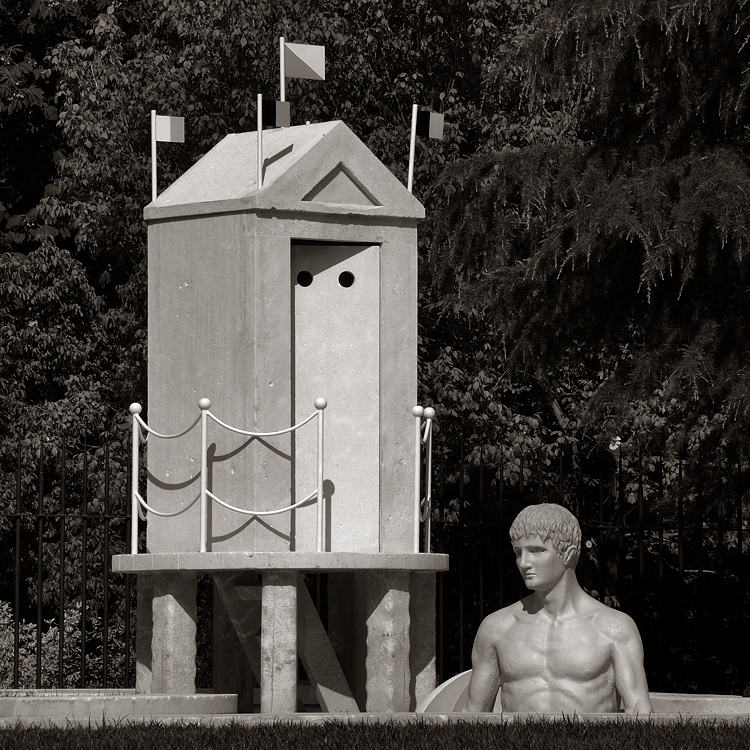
[(398, 390)]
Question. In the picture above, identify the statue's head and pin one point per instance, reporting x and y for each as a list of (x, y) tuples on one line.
[(552, 522)]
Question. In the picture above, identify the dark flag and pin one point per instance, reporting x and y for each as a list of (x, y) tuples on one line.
[(276, 114), (430, 124)]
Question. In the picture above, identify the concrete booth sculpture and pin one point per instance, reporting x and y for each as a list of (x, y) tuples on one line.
[(283, 436)]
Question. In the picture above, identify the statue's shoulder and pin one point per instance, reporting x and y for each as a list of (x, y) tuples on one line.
[(612, 622), (502, 619)]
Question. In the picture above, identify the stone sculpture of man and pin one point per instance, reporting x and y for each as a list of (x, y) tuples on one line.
[(558, 650)]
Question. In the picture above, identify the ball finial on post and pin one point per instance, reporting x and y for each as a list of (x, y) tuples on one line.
[(135, 408), (417, 411), (205, 404), (320, 403), (429, 413)]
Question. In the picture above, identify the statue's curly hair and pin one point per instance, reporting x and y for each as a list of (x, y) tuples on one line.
[(548, 521)]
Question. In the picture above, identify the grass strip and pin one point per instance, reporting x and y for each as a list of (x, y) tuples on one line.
[(553, 734)]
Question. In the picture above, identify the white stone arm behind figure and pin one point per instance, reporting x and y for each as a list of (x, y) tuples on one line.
[(627, 660), (485, 672)]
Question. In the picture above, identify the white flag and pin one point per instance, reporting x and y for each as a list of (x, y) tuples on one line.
[(170, 129), (305, 61)]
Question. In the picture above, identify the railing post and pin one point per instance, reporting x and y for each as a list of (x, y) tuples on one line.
[(429, 415), (320, 405), (135, 410), (205, 405), (418, 412)]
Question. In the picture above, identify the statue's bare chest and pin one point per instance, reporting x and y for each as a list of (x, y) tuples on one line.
[(573, 649)]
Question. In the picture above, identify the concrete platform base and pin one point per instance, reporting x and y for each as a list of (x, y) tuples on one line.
[(316, 562), (62, 706)]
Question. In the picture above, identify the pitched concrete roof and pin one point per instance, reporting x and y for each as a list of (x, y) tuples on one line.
[(322, 168)]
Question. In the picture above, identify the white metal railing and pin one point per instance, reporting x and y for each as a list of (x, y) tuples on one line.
[(423, 505), (138, 503)]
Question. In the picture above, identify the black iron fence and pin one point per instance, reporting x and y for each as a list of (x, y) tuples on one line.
[(65, 619), (666, 541)]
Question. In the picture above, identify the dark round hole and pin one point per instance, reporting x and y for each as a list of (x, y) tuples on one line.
[(304, 278), (346, 278)]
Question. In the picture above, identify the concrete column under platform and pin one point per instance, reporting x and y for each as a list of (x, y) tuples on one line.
[(144, 631), (173, 648), (278, 642), (422, 630), (387, 661)]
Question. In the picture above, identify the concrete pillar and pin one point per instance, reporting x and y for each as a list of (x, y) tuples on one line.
[(173, 647), (387, 662), (422, 636), (143, 633), (278, 643)]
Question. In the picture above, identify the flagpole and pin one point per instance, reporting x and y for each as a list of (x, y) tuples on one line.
[(260, 141), (412, 146), (282, 69), (153, 154)]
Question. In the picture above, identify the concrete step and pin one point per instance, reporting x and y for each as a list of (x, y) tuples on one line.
[(108, 704)]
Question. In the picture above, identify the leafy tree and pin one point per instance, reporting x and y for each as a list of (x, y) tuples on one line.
[(604, 259), (623, 237)]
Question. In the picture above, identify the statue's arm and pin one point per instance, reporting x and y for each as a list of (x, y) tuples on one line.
[(485, 672), (630, 676)]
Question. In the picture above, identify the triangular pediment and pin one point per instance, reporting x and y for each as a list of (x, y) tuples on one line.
[(340, 187), (323, 169)]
